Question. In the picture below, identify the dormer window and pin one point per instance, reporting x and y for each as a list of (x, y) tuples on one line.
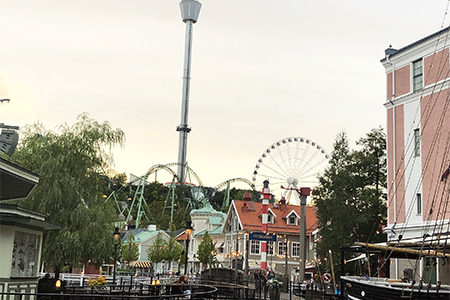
[(270, 217), (292, 220)]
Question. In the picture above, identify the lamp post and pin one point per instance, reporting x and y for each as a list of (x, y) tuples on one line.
[(116, 236), (188, 232)]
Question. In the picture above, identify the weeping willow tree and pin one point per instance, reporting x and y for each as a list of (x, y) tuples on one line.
[(72, 163)]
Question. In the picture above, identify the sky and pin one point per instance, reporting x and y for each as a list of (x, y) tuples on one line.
[(261, 70)]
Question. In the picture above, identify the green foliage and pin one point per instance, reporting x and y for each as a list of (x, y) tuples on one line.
[(130, 251), (206, 252), (73, 163), (157, 252), (350, 196), (174, 250)]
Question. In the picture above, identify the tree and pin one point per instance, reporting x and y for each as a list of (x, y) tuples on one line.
[(173, 252), (351, 205), (130, 251), (206, 252), (157, 252), (73, 163)]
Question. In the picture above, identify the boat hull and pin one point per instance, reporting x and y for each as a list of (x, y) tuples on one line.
[(359, 288)]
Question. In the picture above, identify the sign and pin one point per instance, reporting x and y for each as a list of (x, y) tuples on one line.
[(326, 278), (261, 236)]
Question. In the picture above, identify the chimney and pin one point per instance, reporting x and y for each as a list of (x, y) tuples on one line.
[(244, 207), (282, 203), (247, 197)]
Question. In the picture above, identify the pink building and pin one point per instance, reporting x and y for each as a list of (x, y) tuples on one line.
[(418, 132)]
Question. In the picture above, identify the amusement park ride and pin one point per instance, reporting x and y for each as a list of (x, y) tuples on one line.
[(130, 200), (293, 162), (289, 164)]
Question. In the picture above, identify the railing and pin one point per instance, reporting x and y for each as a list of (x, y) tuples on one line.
[(137, 289), (312, 291)]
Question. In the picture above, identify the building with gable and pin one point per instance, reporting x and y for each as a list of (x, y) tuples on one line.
[(245, 216), (144, 239), (418, 148), (22, 231), (206, 219)]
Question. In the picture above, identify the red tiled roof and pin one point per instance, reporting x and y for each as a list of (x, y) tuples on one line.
[(251, 218), (182, 237)]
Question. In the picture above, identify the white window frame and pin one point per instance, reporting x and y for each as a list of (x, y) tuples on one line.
[(255, 247), (295, 249), (419, 204), (417, 75), (292, 216), (417, 142), (270, 246), (282, 247)]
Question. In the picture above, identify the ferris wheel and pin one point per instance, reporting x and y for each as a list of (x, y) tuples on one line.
[(289, 164)]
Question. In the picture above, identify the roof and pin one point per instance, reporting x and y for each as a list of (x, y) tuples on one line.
[(207, 209), (15, 181), (216, 231), (251, 219), (395, 52), (141, 264), (14, 215), (142, 235), (215, 220)]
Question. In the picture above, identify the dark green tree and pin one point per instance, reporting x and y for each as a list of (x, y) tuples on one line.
[(206, 252), (73, 163), (130, 251), (174, 249), (157, 252), (350, 195)]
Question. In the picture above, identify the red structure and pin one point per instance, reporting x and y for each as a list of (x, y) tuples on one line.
[(265, 211)]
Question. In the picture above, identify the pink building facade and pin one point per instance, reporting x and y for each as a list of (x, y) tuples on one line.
[(418, 139)]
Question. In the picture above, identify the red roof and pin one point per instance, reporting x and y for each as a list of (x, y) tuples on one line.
[(250, 216), (182, 237)]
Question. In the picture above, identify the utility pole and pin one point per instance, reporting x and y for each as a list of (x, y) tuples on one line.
[(303, 192)]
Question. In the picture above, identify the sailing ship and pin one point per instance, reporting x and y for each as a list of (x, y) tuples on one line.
[(416, 254)]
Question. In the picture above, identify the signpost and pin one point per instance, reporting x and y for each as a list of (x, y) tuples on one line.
[(261, 236)]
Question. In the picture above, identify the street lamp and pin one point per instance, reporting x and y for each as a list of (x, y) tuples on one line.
[(188, 232), (116, 236)]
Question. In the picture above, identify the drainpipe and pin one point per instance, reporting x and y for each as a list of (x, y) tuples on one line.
[(394, 185)]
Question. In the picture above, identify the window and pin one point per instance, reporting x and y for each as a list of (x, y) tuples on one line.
[(281, 248), (419, 204), (417, 142), (254, 247), (292, 220), (269, 218), (417, 75), (25, 254), (295, 249), (270, 246)]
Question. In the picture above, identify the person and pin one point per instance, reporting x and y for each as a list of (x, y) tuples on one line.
[(180, 287), (177, 288), (186, 289), (271, 274)]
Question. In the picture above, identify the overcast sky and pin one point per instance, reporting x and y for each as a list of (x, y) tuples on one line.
[(261, 71)]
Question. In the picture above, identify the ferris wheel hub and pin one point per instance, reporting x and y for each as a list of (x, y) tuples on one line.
[(292, 181)]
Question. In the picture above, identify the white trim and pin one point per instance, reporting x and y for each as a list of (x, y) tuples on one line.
[(18, 171)]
